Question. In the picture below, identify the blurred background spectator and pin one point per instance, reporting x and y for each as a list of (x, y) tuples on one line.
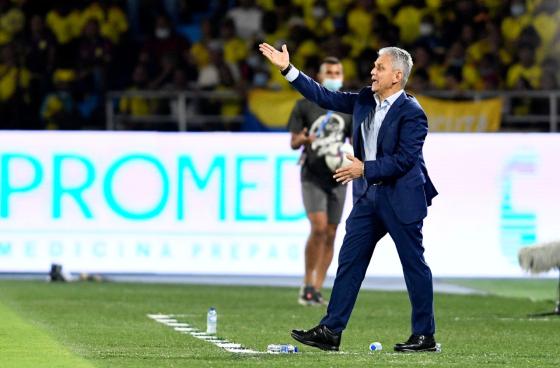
[(59, 58)]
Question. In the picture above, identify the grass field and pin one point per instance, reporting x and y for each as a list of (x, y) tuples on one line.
[(105, 325)]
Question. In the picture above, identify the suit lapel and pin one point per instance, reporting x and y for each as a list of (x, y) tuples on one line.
[(389, 118), (367, 105)]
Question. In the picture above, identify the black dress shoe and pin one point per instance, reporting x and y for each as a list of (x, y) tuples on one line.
[(417, 343), (320, 337), (411, 338)]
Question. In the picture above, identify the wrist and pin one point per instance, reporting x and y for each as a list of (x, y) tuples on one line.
[(285, 69)]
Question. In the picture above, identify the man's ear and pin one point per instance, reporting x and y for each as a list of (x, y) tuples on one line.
[(397, 77)]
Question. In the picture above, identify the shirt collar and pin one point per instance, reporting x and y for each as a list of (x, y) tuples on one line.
[(391, 99)]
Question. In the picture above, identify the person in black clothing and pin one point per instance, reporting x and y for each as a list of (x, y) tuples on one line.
[(321, 133)]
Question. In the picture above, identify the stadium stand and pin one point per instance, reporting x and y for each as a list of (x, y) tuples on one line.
[(59, 59)]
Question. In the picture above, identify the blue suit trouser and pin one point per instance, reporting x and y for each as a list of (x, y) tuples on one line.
[(372, 217)]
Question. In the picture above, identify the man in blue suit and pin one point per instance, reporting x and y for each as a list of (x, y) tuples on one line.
[(391, 191)]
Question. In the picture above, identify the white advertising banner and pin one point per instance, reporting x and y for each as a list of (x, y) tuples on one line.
[(224, 203)]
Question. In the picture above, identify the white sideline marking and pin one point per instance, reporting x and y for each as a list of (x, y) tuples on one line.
[(155, 316), (229, 345), (186, 328), (166, 321), (206, 338), (178, 324), (244, 351)]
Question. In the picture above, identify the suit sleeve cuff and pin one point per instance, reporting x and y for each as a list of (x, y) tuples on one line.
[(292, 74)]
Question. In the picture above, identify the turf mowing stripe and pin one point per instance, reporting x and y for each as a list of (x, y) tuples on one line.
[(185, 328), (23, 345)]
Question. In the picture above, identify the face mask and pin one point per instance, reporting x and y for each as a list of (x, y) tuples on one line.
[(517, 9), (426, 29), (332, 84), (162, 33)]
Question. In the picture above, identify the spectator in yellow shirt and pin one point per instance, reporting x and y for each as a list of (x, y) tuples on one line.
[(112, 19), (199, 50), (14, 83), (12, 22), (65, 21), (14, 78), (58, 110), (408, 20), (546, 20), (526, 68), (137, 105), (518, 19), (235, 49), (360, 18)]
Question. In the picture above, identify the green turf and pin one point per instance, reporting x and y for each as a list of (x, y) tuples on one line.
[(106, 324), (23, 344), (535, 289)]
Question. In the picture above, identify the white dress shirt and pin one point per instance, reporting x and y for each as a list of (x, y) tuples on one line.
[(372, 124)]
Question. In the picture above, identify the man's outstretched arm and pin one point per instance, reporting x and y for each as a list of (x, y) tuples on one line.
[(313, 91)]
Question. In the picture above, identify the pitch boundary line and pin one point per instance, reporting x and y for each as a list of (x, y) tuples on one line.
[(188, 329), (232, 347)]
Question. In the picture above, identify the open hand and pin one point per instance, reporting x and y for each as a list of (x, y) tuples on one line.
[(348, 173), (280, 59)]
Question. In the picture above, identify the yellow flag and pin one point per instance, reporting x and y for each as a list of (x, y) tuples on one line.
[(272, 108), (462, 116)]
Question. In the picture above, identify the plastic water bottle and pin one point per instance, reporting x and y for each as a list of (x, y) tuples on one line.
[(281, 349), (375, 346), (211, 321)]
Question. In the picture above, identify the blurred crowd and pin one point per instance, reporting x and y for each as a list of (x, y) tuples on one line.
[(59, 58), (56, 60), (456, 44)]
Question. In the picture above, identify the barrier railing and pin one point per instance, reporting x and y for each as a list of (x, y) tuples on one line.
[(184, 107)]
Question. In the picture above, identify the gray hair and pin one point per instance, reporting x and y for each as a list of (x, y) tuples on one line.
[(401, 61)]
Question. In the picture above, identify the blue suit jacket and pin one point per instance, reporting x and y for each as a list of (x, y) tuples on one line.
[(399, 164)]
